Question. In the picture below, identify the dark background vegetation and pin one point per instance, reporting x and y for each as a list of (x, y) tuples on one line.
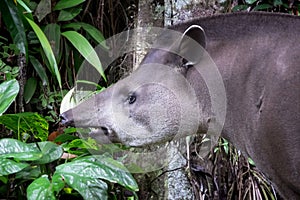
[(31, 114)]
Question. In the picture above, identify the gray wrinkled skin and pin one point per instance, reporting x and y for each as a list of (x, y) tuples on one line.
[(258, 56)]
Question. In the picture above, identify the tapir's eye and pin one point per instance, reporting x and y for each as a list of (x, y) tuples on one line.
[(131, 98)]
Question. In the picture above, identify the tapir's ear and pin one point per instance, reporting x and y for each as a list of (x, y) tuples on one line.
[(189, 44)]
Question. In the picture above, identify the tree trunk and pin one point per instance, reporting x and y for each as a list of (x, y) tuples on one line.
[(150, 14)]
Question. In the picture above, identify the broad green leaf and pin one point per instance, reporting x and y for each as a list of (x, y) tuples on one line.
[(8, 166), (69, 14), (88, 188), (91, 30), (11, 148), (41, 189), (26, 123), (52, 31), (75, 26), (99, 166), (43, 9), (29, 89), (47, 49), (63, 4), (40, 70), (85, 49), (94, 33), (50, 151), (8, 93), (14, 23)]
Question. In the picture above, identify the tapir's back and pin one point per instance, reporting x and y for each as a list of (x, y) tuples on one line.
[(258, 56)]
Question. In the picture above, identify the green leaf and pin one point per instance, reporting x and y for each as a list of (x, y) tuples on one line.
[(98, 166), (88, 188), (240, 8), (43, 9), (11, 148), (277, 2), (85, 49), (83, 175), (81, 143), (52, 31), (226, 149), (47, 49), (69, 14), (23, 4), (70, 130), (58, 182), (75, 26), (63, 4), (8, 166), (262, 7), (14, 23), (94, 33), (26, 123), (40, 70), (251, 162), (65, 138), (4, 179), (40, 188), (251, 1), (50, 151), (91, 30), (8, 93), (29, 89)]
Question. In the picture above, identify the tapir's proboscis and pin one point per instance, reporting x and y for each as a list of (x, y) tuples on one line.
[(258, 57)]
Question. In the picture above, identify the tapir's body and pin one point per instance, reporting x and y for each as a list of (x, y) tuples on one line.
[(258, 56)]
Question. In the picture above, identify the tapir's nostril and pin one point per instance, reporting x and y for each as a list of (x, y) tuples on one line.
[(65, 120), (105, 131)]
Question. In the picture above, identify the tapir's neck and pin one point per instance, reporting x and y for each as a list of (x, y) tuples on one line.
[(244, 90)]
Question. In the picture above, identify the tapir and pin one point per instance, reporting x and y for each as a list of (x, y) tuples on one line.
[(258, 58)]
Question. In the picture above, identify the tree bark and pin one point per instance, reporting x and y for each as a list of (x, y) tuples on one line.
[(150, 14)]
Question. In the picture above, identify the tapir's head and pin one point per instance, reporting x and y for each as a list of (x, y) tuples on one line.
[(152, 105)]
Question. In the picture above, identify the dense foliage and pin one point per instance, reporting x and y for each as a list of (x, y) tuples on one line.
[(42, 46)]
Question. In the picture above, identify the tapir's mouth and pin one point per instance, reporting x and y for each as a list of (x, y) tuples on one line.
[(97, 131), (104, 135)]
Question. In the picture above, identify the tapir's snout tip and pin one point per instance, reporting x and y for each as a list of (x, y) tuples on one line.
[(67, 119)]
